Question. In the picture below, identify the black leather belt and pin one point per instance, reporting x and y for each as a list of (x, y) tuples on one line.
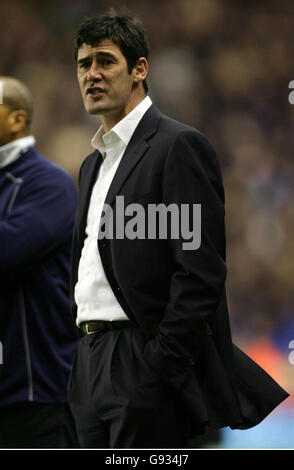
[(89, 327)]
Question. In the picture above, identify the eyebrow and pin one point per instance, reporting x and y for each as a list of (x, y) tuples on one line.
[(96, 54)]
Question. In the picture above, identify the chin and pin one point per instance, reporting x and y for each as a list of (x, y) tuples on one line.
[(94, 107), (92, 110)]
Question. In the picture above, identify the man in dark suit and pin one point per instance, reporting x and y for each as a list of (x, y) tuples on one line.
[(156, 363)]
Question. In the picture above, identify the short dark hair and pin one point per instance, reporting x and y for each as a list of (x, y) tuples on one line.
[(122, 29)]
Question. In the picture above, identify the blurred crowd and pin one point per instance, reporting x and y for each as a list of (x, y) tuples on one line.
[(221, 66)]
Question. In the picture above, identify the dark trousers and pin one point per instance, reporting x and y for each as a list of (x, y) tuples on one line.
[(30, 425), (117, 401)]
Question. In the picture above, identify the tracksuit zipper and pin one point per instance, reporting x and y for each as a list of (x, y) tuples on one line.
[(17, 183)]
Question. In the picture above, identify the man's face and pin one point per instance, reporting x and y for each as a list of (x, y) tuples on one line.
[(5, 134), (105, 83)]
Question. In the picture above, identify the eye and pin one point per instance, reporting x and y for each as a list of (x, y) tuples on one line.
[(105, 62), (85, 65)]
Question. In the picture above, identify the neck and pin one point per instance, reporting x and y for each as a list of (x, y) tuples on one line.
[(13, 137), (20, 135), (111, 119)]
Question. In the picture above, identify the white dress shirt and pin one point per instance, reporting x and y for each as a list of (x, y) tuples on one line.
[(12, 151), (93, 295)]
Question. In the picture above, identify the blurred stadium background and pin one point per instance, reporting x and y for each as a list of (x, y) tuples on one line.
[(223, 66)]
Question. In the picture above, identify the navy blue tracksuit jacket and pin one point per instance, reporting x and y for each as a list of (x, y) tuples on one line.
[(37, 332)]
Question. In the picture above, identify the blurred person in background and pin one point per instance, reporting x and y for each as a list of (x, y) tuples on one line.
[(156, 363), (37, 334)]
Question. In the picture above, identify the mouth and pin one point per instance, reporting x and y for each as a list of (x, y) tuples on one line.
[(94, 92)]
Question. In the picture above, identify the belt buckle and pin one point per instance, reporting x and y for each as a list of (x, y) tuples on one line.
[(87, 329)]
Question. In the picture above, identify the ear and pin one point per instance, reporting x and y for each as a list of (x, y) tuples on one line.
[(18, 121), (140, 70)]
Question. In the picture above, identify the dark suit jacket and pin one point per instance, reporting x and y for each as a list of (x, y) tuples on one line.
[(177, 297)]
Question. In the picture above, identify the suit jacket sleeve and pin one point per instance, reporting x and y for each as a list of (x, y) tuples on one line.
[(192, 176)]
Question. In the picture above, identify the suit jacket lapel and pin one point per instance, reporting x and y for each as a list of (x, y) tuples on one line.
[(88, 173), (87, 182), (134, 151)]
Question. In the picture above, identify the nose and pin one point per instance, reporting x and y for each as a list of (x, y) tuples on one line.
[(94, 72)]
